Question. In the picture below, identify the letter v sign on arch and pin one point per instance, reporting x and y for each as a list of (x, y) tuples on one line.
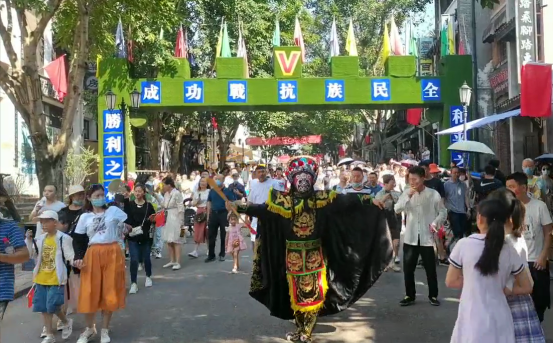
[(287, 63)]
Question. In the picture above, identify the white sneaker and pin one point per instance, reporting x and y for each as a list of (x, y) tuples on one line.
[(234, 271), (134, 288), (43, 334), (167, 265), (158, 255), (49, 339), (148, 282), (105, 337), (59, 325), (193, 254), (86, 336), (140, 268), (176, 266), (396, 260), (67, 329)]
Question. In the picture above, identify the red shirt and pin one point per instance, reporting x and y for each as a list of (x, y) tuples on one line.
[(131, 184)]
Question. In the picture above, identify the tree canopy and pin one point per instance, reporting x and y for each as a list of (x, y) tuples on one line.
[(85, 29)]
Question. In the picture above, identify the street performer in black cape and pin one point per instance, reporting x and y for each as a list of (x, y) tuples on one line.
[(317, 252)]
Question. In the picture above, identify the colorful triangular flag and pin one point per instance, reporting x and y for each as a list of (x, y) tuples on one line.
[(180, 46), (451, 38), (120, 48), (412, 43), (351, 47), (225, 45), (333, 41), (298, 39), (385, 50), (219, 40), (241, 50), (58, 76), (276, 35), (395, 42)]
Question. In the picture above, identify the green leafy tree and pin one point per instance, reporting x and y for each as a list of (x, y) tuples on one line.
[(83, 28)]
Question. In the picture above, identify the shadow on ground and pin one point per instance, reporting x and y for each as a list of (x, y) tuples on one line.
[(205, 303)]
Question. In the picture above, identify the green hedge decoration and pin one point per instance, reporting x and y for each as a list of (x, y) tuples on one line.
[(230, 68), (345, 66), (401, 66)]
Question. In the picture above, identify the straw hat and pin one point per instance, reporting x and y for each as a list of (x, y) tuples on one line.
[(75, 189)]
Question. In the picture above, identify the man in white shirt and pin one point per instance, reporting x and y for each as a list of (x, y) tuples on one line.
[(425, 154), (538, 237), (259, 193), (425, 213)]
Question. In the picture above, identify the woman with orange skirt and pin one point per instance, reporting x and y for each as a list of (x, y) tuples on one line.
[(103, 274), (200, 200)]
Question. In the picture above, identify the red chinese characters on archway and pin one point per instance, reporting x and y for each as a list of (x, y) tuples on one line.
[(254, 141)]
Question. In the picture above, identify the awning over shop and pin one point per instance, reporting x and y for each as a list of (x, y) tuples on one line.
[(397, 136), (480, 122)]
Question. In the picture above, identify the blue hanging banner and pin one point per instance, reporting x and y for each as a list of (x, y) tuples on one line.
[(457, 118)]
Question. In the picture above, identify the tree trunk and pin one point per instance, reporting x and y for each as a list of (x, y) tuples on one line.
[(221, 143), (154, 142), (176, 155)]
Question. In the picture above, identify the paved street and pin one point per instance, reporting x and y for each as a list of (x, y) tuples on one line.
[(205, 303)]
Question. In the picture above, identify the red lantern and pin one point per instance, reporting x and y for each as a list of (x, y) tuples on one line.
[(368, 139)]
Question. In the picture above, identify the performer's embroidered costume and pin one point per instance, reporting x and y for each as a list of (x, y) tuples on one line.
[(316, 253)]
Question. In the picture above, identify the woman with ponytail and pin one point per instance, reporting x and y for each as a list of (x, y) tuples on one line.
[(526, 321), (481, 266)]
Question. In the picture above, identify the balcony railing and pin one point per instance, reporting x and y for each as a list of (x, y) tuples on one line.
[(47, 88)]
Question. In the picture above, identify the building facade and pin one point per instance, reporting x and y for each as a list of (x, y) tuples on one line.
[(517, 34)]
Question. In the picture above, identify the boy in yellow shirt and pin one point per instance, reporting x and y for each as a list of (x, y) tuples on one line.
[(51, 250)]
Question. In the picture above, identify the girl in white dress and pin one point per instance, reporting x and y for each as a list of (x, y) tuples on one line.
[(481, 265), (174, 222)]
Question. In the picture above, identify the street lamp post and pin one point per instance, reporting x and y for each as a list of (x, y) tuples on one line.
[(465, 99), (111, 100)]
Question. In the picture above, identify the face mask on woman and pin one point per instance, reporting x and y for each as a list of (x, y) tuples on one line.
[(462, 178), (78, 202), (98, 202), (544, 171), (528, 170), (218, 182)]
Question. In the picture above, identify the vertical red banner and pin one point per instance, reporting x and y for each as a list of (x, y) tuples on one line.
[(536, 90)]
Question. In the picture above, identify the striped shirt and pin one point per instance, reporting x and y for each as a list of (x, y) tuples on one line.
[(14, 235)]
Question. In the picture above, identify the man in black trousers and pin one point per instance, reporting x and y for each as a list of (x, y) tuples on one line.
[(217, 218)]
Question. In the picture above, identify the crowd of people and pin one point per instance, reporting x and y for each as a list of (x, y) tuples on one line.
[(433, 216)]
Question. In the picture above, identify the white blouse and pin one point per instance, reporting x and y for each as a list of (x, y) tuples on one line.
[(203, 198), (102, 228)]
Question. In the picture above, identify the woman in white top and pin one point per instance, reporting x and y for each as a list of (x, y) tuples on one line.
[(526, 321), (173, 231), (200, 200), (481, 265), (103, 274)]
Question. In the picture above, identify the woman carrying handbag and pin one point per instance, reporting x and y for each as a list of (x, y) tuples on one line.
[(200, 200), (139, 214)]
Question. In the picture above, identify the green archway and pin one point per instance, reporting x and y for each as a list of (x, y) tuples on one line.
[(400, 88)]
